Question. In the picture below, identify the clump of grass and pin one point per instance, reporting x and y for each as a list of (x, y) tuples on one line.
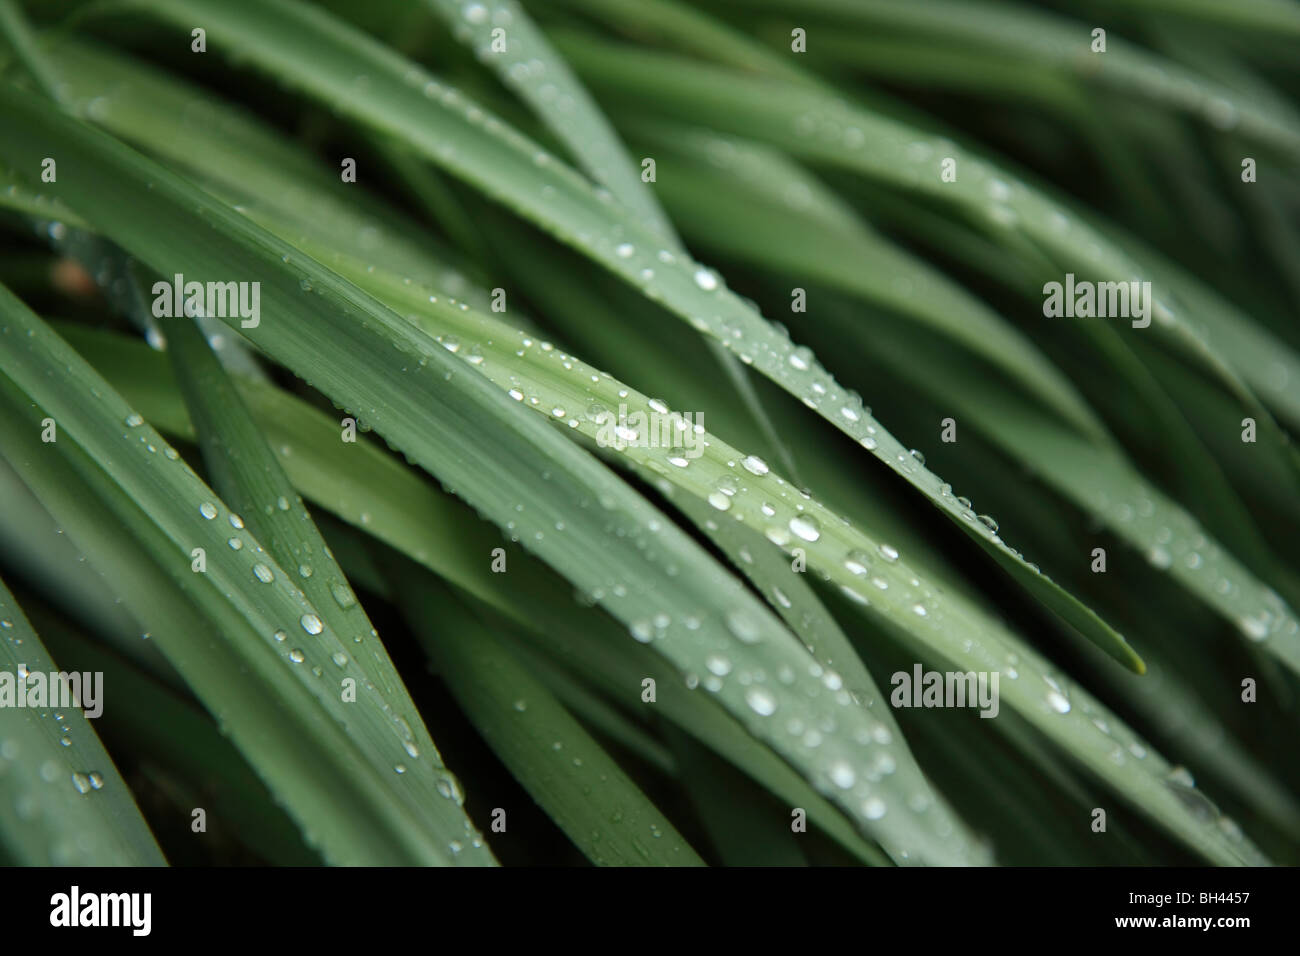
[(603, 397)]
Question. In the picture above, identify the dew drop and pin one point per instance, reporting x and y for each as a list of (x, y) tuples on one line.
[(805, 527), (343, 595), (842, 775), (718, 665), (760, 701), (857, 562)]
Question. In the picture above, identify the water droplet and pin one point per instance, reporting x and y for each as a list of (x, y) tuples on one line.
[(1255, 628), (1159, 557), (760, 701), (263, 573), (842, 775), (449, 787), (342, 595), (296, 655), (806, 527), (1180, 776), (873, 808), (311, 624), (743, 627), (706, 280), (717, 664), (857, 562), (889, 552), (755, 465), (208, 510), (1057, 702)]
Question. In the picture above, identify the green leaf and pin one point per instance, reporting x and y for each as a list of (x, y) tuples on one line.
[(565, 770), (375, 494), (62, 801), (457, 425), (399, 99), (130, 504), (523, 59)]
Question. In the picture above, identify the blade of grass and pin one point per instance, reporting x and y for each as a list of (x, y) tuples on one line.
[(461, 428), (780, 216), (169, 732), (62, 801), (531, 69), (492, 351), (1047, 39), (376, 495), (134, 510), (567, 772), (825, 129), (316, 52), (243, 469)]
